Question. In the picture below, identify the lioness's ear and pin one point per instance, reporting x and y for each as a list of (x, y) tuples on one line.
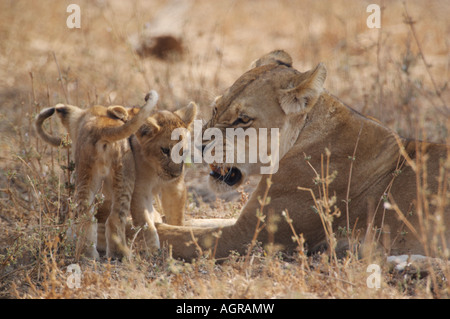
[(117, 112), (148, 130), (187, 114), (275, 57), (306, 93)]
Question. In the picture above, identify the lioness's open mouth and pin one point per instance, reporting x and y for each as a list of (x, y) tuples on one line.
[(230, 176)]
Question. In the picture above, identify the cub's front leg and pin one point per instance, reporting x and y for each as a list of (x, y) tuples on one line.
[(144, 217), (84, 230), (115, 230), (173, 200)]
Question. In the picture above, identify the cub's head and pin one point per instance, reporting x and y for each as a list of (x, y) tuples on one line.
[(259, 118), (155, 138)]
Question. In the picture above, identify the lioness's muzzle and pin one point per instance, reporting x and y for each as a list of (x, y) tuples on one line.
[(225, 174)]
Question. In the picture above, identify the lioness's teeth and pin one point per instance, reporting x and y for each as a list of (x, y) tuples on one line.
[(215, 169)]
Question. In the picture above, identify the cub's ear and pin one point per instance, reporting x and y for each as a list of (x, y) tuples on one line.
[(306, 93), (275, 57), (68, 114), (187, 114), (63, 110), (148, 130), (117, 112)]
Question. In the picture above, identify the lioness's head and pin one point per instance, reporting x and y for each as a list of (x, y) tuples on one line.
[(272, 95), (156, 142)]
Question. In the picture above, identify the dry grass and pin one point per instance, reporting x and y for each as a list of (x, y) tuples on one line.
[(398, 74)]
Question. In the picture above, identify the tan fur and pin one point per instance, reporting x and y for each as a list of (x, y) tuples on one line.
[(158, 178), (310, 120), (103, 161), (158, 174)]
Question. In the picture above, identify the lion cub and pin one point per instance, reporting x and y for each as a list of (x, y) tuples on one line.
[(103, 161), (157, 176), (158, 173)]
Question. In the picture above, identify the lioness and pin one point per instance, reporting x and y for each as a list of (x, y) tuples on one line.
[(312, 122), (103, 160)]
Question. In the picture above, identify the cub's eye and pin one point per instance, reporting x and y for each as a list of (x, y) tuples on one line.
[(165, 151), (242, 120), (214, 111)]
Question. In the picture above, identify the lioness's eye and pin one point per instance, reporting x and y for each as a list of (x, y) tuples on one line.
[(241, 120), (166, 151)]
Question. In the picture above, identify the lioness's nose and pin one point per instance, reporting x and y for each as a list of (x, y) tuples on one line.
[(201, 147)]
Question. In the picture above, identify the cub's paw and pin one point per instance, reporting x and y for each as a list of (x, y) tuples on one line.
[(151, 239), (117, 251)]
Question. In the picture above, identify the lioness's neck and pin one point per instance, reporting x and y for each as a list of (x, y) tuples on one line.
[(348, 136)]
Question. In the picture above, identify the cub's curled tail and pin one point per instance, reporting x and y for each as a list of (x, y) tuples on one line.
[(40, 118)]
